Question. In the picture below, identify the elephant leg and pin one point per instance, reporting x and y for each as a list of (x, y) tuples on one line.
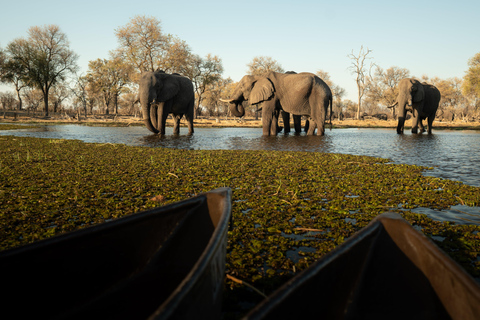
[(430, 123), (307, 125), (286, 121), (269, 118), (420, 126), (274, 129), (161, 118), (311, 128), (415, 119), (176, 124), (297, 123), (189, 118)]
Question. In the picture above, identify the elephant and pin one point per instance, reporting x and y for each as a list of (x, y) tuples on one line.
[(421, 99), (160, 94), (297, 120), (302, 94)]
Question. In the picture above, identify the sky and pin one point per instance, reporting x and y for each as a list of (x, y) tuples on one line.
[(432, 38)]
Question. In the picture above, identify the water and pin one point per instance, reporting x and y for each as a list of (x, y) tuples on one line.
[(453, 154)]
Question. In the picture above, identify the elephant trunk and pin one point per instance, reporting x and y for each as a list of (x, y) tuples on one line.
[(237, 109), (400, 125), (146, 106)]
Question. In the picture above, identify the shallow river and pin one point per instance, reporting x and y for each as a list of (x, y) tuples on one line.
[(454, 155)]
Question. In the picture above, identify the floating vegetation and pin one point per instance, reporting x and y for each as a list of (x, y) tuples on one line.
[(289, 208)]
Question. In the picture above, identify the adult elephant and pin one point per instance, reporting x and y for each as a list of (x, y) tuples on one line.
[(160, 94), (302, 94), (421, 99)]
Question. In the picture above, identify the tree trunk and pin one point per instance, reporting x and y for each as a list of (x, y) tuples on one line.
[(19, 98), (45, 100)]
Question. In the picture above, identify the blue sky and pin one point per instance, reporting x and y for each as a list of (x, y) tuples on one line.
[(433, 38)]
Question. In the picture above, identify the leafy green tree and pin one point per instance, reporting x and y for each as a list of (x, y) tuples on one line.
[(44, 58)]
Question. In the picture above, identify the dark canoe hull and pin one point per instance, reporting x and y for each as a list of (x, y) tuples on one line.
[(388, 270), (168, 262)]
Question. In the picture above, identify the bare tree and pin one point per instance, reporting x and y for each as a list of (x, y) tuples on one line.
[(144, 45), (359, 69), (7, 99), (382, 86), (80, 92), (337, 91), (262, 65)]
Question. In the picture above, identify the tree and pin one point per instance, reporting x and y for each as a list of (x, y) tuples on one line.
[(452, 101), (58, 94), (262, 65), (471, 80), (359, 69), (337, 91), (205, 73), (382, 85), (7, 99), (46, 58), (108, 78), (12, 71), (144, 45), (81, 93), (33, 98), (214, 92)]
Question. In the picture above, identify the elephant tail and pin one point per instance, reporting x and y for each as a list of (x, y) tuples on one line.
[(331, 111)]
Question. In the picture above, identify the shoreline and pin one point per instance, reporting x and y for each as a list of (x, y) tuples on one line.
[(220, 122)]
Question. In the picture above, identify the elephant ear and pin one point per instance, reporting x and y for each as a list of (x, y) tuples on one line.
[(170, 89), (262, 91), (419, 93)]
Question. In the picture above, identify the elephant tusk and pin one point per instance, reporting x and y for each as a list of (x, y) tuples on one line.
[(393, 105), (228, 101)]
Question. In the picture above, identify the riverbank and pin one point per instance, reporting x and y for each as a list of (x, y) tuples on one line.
[(122, 120)]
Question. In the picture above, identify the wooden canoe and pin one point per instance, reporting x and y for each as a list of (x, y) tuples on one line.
[(168, 262), (387, 270)]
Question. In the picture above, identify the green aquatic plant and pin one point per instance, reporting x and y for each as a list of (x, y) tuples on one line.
[(286, 213)]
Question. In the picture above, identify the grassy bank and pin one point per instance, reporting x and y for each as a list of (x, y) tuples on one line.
[(289, 208)]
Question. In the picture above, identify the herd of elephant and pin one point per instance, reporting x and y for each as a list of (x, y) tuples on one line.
[(285, 94)]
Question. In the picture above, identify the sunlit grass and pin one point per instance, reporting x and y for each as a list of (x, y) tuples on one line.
[(289, 208)]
